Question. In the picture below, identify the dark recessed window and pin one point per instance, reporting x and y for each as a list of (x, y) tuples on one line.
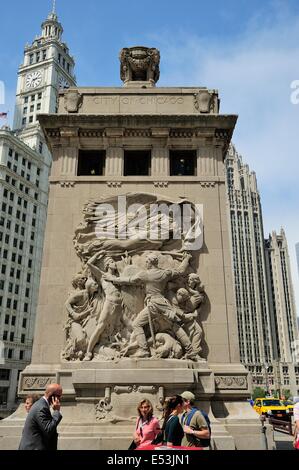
[(182, 162), (137, 163), (91, 162)]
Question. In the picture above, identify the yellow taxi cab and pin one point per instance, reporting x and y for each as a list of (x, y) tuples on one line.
[(271, 407), (289, 406)]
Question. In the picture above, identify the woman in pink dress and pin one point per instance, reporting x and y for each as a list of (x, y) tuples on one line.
[(147, 426)]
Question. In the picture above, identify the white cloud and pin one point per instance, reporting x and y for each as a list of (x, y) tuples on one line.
[(254, 75)]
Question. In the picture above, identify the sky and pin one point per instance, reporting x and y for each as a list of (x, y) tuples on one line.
[(248, 50)]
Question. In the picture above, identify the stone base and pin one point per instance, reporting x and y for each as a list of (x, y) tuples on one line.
[(100, 401)]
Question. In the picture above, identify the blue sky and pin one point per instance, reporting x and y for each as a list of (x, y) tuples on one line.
[(249, 50)]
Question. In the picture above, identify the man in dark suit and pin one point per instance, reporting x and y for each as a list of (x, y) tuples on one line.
[(40, 430)]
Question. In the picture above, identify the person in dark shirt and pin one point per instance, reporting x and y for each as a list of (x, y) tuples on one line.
[(173, 431)]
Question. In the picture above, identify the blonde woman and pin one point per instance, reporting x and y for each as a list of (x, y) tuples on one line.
[(147, 426)]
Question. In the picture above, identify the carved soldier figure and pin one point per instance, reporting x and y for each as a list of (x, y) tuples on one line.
[(112, 304), (155, 281)]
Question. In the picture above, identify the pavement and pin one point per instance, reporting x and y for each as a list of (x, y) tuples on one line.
[(283, 440)]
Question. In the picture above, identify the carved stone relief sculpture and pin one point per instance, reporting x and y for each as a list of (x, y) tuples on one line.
[(136, 295), (139, 64)]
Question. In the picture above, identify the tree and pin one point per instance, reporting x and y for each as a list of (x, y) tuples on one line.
[(258, 392), (286, 394)]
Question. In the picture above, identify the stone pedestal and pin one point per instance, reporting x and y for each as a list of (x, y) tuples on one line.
[(100, 401)]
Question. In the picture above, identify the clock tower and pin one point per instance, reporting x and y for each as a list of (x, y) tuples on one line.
[(47, 68)]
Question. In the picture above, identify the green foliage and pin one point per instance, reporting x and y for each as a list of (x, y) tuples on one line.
[(258, 392), (286, 394)]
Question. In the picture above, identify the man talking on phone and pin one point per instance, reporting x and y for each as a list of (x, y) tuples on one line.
[(40, 430)]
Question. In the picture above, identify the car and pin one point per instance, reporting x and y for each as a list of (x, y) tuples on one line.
[(271, 408), (289, 406)]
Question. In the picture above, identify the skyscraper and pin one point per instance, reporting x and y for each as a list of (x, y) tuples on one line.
[(25, 165), (282, 309), (266, 319)]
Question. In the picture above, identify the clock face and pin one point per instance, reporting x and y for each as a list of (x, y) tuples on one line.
[(63, 83), (34, 79)]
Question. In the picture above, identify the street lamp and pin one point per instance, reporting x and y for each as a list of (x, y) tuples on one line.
[(267, 378)]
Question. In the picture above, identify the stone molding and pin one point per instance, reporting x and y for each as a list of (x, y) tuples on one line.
[(228, 382), (37, 382), (161, 184), (67, 184)]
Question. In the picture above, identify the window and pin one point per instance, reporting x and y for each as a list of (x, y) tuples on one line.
[(10, 210), (12, 272), (38, 171), (32, 236), (9, 165), (15, 168), (5, 254), (39, 96), (40, 147), (17, 289), (34, 209), (32, 97), (31, 249), (91, 162), (3, 269), (26, 99), (20, 259), (11, 196), (28, 177), (25, 110), (13, 257), (31, 119), (21, 355), (26, 190), (16, 156), (137, 163), (22, 231), (4, 374), (7, 179), (59, 58), (24, 323), (13, 321), (7, 239), (5, 335), (8, 303), (10, 354), (33, 222), (23, 217), (18, 274), (36, 196), (10, 152), (37, 56), (27, 292), (38, 106), (23, 162), (15, 304), (1, 284), (24, 121), (4, 207), (11, 336), (22, 338), (31, 108), (6, 319), (29, 166), (28, 277), (44, 54), (21, 245), (25, 308), (25, 204), (30, 263), (5, 193), (182, 162)]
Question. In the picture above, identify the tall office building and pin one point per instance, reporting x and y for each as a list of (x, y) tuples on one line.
[(283, 311), (265, 337), (25, 163)]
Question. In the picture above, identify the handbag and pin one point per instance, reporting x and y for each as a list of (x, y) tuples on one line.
[(159, 438), (132, 446)]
